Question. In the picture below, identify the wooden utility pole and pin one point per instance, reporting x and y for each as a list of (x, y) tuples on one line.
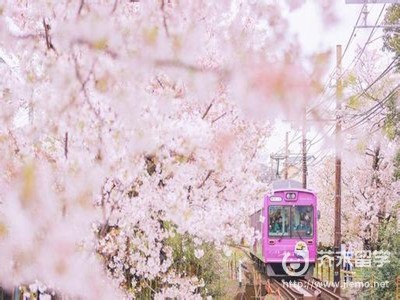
[(286, 155), (338, 166), (304, 149)]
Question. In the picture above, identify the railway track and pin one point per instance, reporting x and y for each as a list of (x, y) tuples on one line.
[(300, 289), (288, 288), (317, 284), (286, 292)]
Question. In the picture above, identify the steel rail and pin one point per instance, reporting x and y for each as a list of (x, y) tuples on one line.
[(287, 290), (326, 293)]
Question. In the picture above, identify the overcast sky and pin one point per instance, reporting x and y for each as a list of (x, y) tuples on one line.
[(314, 35)]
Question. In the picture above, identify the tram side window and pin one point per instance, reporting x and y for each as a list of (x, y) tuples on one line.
[(279, 217), (302, 221)]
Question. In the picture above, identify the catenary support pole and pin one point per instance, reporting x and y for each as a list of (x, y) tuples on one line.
[(286, 155), (338, 166), (304, 150)]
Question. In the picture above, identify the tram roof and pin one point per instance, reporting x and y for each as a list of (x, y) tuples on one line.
[(289, 184)]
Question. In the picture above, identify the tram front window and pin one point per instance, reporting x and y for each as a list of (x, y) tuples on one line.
[(278, 216), (302, 221)]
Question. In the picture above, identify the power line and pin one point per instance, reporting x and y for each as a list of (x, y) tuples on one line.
[(358, 56), (354, 61), (351, 37), (326, 134), (375, 109), (390, 67), (354, 30)]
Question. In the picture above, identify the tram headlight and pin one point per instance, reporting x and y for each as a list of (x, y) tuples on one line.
[(291, 196)]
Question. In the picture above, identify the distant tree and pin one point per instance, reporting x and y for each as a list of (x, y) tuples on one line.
[(397, 166), (371, 192), (371, 123), (322, 179), (391, 39), (390, 241)]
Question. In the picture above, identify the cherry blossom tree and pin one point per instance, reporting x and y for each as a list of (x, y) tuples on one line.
[(369, 190), (125, 123), (322, 180), (371, 187)]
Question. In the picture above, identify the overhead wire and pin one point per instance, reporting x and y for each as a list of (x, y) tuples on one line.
[(374, 110), (355, 62), (390, 67), (326, 84), (358, 56), (351, 37)]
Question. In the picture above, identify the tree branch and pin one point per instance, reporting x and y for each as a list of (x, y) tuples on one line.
[(114, 7), (83, 86), (81, 7), (17, 148), (66, 145), (164, 18), (205, 179), (49, 44), (159, 82), (192, 68), (221, 190), (207, 110), (216, 119), (90, 45)]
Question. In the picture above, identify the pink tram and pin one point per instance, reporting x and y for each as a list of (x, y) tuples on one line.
[(286, 231)]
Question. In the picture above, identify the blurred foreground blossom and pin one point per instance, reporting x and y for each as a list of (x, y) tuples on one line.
[(126, 123)]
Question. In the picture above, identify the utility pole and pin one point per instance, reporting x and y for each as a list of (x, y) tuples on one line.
[(304, 150), (338, 166), (286, 155), (366, 12)]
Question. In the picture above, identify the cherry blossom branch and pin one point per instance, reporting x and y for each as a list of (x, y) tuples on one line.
[(83, 85), (66, 145), (205, 179), (259, 141), (49, 44), (114, 7), (81, 7), (216, 119), (105, 226), (207, 110), (377, 124), (164, 17), (233, 121), (17, 148), (29, 36), (221, 190), (369, 153), (92, 46), (87, 100), (189, 67), (159, 82)]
